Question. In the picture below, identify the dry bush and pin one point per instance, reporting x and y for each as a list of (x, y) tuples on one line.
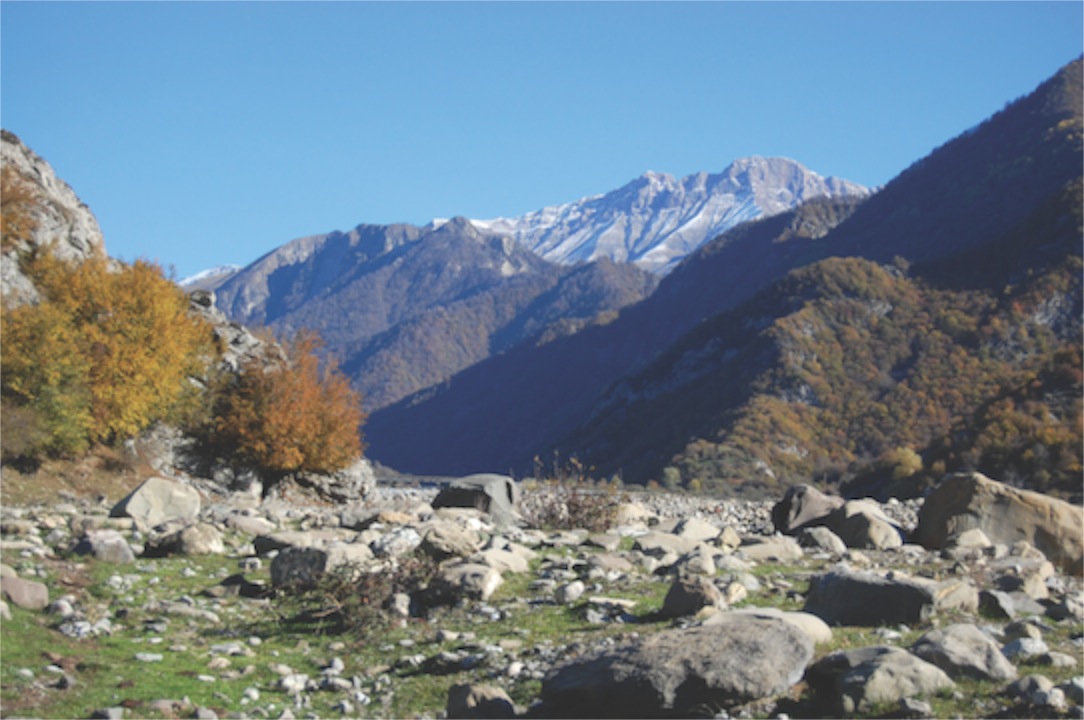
[(566, 499)]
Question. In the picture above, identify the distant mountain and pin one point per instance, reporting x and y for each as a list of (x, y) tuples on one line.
[(209, 278), (655, 220), (404, 307), (949, 213)]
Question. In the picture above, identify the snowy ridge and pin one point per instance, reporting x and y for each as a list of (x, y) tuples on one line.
[(211, 275), (655, 221)]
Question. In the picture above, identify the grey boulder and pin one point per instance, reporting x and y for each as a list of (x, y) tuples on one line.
[(679, 672), (963, 650), (497, 495), (159, 500), (856, 681)]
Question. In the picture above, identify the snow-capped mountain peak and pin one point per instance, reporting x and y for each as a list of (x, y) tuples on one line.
[(656, 220)]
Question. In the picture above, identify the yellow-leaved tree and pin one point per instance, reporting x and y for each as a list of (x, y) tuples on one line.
[(296, 416), (107, 351)]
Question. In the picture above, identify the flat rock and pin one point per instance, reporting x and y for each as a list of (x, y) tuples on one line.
[(816, 629), (779, 548)]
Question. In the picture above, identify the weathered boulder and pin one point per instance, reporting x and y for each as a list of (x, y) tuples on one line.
[(479, 702), (349, 485), (27, 594), (195, 539), (463, 579), (397, 542), (690, 595), (816, 629), (846, 597), (854, 681), (302, 567), (803, 506), (674, 672), (696, 529), (497, 495), (105, 545), (158, 500), (1006, 515), (820, 538), (443, 540), (659, 544), (964, 650), (862, 524), (778, 548)]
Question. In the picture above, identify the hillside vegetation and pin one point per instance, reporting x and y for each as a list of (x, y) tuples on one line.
[(109, 349), (866, 345)]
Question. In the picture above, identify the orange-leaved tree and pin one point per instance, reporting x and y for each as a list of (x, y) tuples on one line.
[(295, 416)]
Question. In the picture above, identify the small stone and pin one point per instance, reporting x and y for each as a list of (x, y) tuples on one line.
[(110, 713), (149, 657)]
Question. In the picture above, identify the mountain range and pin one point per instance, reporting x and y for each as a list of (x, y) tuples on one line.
[(961, 294), (404, 308), (655, 220)]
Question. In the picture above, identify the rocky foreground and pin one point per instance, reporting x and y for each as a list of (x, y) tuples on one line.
[(180, 601)]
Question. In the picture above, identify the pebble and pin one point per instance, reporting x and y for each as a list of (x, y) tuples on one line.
[(149, 657)]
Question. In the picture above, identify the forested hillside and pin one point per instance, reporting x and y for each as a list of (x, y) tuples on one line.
[(935, 325)]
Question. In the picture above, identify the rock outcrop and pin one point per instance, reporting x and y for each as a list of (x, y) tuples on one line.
[(63, 222)]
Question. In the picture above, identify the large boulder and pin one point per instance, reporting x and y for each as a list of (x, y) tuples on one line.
[(349, 485), (862, 524), (847, 597), (803, 506), (678, 672), (1006, 515), (298, 567), (159, 500), (857, 681), (497, 495)]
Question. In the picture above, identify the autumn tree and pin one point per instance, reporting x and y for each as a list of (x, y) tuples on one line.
[(299, 415), (107, 351)]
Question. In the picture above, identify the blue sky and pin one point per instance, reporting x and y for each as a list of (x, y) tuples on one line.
[(203, 133)]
